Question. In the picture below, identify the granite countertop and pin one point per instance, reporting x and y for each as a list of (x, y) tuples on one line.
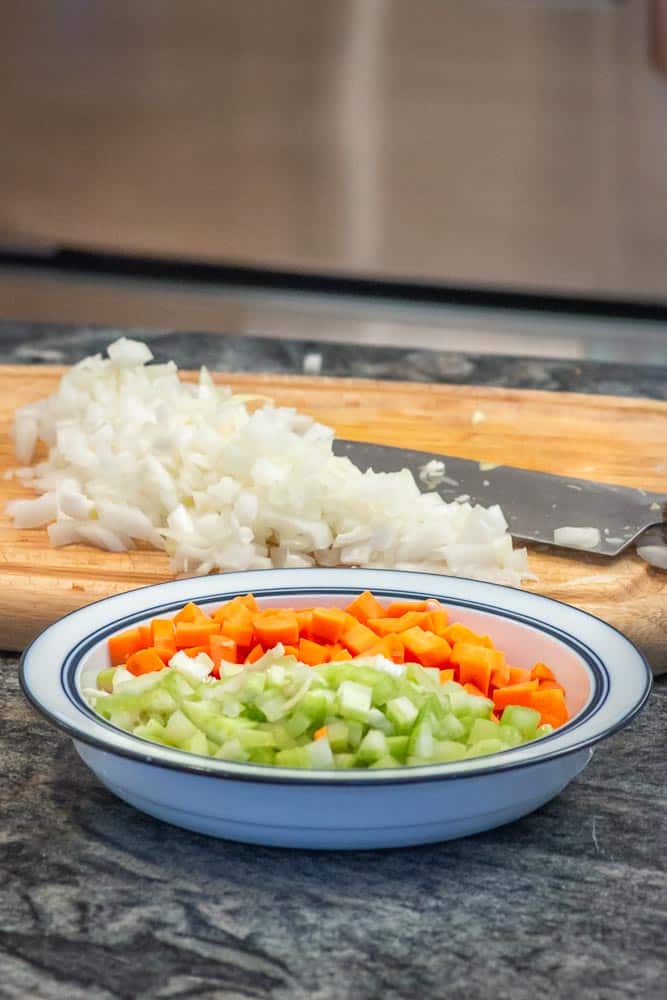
[(100, 901)]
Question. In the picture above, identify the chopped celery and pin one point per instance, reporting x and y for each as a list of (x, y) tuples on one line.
[(374, 718), (372, 747), (104, 680)]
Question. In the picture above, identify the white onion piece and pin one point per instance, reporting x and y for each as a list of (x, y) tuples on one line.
[(654, 555), (578, 538)]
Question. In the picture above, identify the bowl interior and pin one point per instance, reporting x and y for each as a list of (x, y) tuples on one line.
[(523, 644)]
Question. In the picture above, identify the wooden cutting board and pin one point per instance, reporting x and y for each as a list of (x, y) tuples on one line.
[(611, 439)]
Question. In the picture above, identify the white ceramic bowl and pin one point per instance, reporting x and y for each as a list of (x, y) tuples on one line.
[(607, 681)]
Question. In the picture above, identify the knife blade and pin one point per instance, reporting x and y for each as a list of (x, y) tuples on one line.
[(534, 503)]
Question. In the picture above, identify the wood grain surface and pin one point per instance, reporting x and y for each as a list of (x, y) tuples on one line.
[(610, 439)]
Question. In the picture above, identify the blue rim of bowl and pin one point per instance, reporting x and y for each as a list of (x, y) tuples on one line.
[(274, 774)]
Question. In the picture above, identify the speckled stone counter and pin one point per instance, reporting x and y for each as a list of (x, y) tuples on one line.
[(99, 901)]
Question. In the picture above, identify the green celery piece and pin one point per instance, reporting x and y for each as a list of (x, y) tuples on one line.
[(452, 728), (294, 757), (197, 743), (253, 687), (253, 713), (297, 724), (179, 728), (153, 731), (158, 700), (376, 719), (386, 761), (398, 747), (372, 747), (483, 747), (280, 735), (354, 700), (200, 713), (433, 706), (343, 761), (262, 755), (320, 754), (232, 750), (459, 702), (402, 712), (545, 729), (124, 720), (339, 734), (382, 685), (355, 733), (316, 705), (420, 741), (251, 738), (177, 686), (121, 702), (480, 708), (483, 729), (510, 735), (449, 750), (104, 680), (526, 720)]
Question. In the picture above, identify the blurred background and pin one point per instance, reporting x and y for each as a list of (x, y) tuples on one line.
[(484, 176)]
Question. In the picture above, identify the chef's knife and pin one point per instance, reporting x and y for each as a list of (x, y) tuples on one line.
[(534, 503)]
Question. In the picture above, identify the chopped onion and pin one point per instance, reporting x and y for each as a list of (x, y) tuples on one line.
[(135, 455), (577, 538), (654, 555)]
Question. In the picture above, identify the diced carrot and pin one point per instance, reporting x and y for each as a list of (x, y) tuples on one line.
[(165, 650), (518, 675), (446, 675), (365, 606), (272, 627), (467, 652), (551, 686), (245, 602), (162, 630), (312, 653), (188, 634), (477, 671), (494, 718), (399, 608), (427, 648), (473, 689), (551, 705), (358, 638), (500, 677), (144, 661), (305, 619), (255, 653), (461, 633), (338, 653), (390, 647), (515, 694), (240, 627), (437, 622), (221, 647), (146, 635), (541, 672), (191, 613), (123, 645), (328, 624), (320, 733), (292, 651), (385, 626), (196, 650)]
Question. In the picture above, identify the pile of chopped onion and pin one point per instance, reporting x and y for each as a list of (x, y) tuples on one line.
[(137, 456)]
